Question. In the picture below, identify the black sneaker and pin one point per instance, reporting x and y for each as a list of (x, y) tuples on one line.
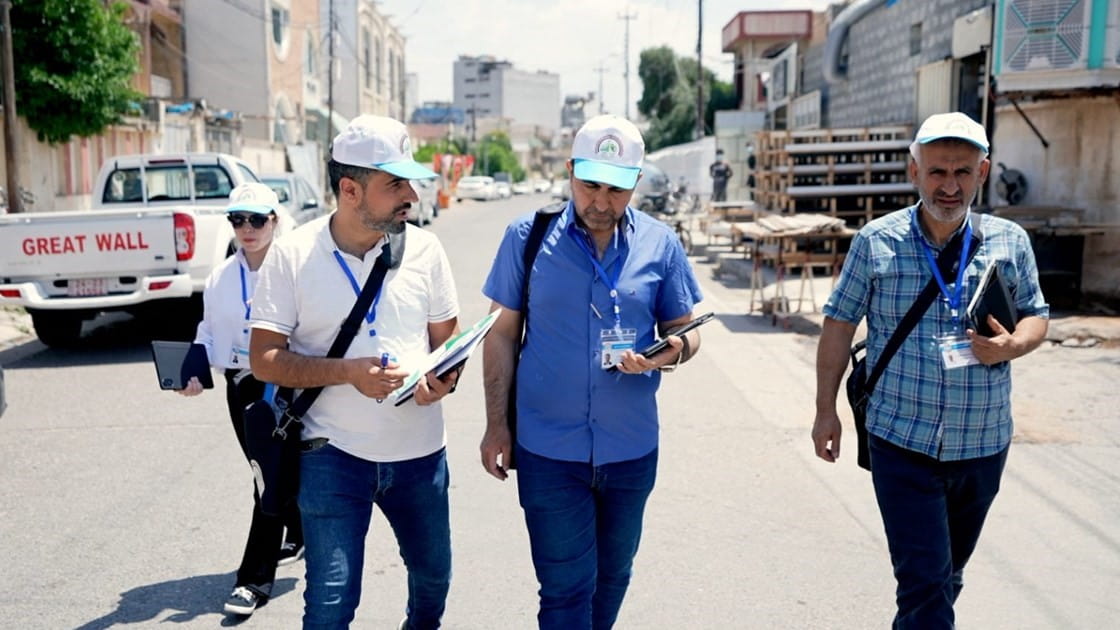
[(289, 553), (242, 601)]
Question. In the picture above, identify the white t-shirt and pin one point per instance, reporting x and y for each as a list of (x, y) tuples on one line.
[(303, 292), (224, 328)]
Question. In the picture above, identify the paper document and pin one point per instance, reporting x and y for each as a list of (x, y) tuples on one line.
[(453, 353)]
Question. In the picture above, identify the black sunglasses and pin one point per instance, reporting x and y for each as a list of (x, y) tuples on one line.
[(258, 221)]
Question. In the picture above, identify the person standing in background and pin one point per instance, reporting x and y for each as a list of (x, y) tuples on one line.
[(224, 331), (720, 171)]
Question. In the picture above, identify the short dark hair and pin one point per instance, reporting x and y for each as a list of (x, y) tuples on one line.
[(337, 170)]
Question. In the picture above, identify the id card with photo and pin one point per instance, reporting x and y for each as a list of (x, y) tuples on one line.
[(956, 352), (613, 343)]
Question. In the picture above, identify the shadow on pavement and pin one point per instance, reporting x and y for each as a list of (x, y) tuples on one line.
[(109, 339), (185, 599)]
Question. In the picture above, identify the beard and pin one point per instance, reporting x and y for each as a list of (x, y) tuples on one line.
[(941, 214), (392, 225)]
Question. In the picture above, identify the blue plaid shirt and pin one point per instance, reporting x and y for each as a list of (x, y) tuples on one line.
[(947, 414)]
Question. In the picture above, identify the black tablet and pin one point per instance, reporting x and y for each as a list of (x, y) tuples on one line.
[(177, 361), (663, 343)]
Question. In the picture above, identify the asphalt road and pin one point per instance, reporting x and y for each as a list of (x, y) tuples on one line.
[(122, 506)]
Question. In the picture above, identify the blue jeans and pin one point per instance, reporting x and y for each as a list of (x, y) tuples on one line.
[(337, 493), (932, 512), (584, 524)]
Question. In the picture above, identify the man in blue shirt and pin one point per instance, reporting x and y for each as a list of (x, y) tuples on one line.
[(939, 419), (605, 278)]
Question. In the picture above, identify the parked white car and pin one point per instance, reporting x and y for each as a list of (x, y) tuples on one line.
[(479, 187), (298, 195), (504, 190), (522, 187), (422, 212)]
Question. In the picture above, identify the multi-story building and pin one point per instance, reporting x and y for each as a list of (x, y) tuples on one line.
[(496, 95), (369, 60), (251, 57)]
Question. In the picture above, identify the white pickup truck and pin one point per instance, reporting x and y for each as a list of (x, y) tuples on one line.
[(156, 230)]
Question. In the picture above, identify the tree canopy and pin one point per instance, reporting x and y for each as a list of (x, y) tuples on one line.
[(425, 153), (494, 154), (669, 97), (74, 64)]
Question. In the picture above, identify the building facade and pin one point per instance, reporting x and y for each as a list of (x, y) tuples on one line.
[(369, 61), (494, 91)]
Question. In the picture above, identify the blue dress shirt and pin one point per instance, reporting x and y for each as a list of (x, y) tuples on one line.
[(569, 408)]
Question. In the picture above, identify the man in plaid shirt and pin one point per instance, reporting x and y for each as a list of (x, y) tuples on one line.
[(939, 419)]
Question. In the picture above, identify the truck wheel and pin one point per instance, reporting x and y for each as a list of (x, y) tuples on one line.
[(58, 329)]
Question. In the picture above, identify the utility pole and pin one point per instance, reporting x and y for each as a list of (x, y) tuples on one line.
[(601, 69), (11, 122), (330, 70), (699, 69), (626, 57)]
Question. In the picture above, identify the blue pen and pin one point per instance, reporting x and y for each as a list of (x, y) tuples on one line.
[(384, 360)]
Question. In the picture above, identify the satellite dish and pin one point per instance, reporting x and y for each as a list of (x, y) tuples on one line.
[(1011, 185)]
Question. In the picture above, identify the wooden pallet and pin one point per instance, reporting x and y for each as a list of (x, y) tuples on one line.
[(852, 173)]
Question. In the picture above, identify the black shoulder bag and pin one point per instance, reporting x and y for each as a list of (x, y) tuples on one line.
[(271, 442), (860, 384), (541, 220)]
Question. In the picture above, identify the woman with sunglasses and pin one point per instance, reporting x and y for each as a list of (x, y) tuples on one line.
[(254, 212)]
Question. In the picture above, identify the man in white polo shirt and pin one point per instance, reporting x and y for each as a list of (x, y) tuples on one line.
[(357, 452)]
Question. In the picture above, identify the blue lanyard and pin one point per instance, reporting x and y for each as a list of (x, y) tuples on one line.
[(611, 282), (954, 298), (372, 314), (244, 290)]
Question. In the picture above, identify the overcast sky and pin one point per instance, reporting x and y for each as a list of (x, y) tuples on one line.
[(567, 37)]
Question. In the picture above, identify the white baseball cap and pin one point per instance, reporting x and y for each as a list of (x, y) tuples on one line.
[(953, 125), (381, 143), (253, 197), (609, 150)]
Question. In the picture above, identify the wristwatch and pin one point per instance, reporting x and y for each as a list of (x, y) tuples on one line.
[(680, 357)]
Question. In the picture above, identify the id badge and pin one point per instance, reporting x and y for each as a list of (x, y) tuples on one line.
[(613, 343), (956, 352), (239, 357)]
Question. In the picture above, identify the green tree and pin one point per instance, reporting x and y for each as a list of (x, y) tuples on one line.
[(669, 97), (74, 64), (425, 153), (494, 154)]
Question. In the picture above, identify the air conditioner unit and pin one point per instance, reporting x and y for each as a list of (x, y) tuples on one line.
[(1045, 35), (1047, 45)]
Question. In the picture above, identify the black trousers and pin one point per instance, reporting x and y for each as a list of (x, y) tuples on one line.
[(266, 533), (719, 190)]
